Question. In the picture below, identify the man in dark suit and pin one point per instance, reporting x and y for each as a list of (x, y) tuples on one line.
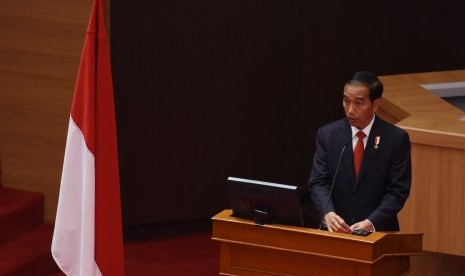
[(371, 189)]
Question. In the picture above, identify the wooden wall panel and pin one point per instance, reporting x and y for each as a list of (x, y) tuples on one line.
[(439, 190), (40, 48), (437, 199)]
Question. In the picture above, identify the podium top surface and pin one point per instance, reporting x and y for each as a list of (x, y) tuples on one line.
[(227, 228)]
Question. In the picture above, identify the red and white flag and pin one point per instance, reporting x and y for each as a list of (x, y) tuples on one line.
[(88, 239)]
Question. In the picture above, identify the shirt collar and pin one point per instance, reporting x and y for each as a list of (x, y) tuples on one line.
[(366, 130)]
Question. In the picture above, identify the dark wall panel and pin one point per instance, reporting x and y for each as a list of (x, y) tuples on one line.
[(208, 89)]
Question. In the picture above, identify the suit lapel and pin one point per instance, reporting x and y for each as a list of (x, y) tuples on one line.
[(347, 161)]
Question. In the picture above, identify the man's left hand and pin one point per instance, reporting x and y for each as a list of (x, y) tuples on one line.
[(365, 225)]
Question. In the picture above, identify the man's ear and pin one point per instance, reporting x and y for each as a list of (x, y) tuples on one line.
[(376, 104)]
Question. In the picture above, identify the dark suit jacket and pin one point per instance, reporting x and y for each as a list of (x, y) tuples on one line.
[(384, 178)]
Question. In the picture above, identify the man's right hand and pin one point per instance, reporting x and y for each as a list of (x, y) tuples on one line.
[(336, 224)]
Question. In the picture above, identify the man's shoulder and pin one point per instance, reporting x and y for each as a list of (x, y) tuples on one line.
[(339, 124), (392, 131), (391, 127)]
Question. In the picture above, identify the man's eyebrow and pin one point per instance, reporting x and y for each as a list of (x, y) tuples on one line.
[(356, 98)]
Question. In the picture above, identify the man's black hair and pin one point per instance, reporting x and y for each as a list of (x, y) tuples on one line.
[(370, 81)]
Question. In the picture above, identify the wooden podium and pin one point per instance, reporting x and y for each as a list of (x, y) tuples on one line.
[(274, 249)]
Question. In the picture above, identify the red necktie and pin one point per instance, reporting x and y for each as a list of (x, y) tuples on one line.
[(358, 152)]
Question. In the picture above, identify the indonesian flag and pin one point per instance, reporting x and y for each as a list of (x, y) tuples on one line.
[(87, 239)]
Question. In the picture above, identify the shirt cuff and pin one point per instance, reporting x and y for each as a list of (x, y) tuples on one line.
[(372, 226)]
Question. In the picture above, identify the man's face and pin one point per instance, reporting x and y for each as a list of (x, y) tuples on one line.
[(357, 105)]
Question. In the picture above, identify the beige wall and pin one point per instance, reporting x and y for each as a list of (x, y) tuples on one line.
[(40, 48)]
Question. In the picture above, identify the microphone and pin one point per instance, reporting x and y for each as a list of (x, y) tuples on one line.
[(332, 185)]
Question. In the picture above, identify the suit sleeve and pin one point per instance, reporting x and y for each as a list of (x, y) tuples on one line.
[(398, 185), (319, 182)]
